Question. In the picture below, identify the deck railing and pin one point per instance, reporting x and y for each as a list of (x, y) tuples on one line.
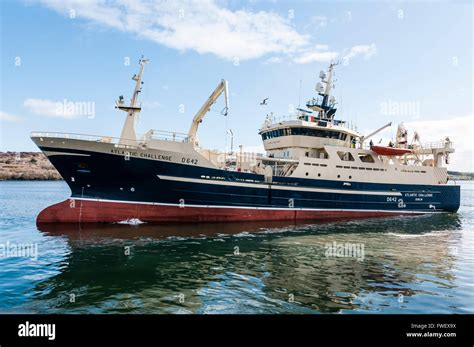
[(151, 134), (273, 119), (165, 136), (73, 136), (436, 144)]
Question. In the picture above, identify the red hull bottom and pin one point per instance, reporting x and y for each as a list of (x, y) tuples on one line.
[(82, 211)]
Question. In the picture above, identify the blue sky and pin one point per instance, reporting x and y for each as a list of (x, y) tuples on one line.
[(409, 62)]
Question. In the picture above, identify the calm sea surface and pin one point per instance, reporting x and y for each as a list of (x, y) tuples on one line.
[(421, 264)]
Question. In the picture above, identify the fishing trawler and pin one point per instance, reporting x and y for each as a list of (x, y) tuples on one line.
[(316, 167)]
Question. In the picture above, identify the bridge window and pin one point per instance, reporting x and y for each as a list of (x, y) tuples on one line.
[(345, 156), (323, 133), (366, 158), (321, 154)]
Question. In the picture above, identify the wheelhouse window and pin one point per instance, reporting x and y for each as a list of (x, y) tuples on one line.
[(329, 134), (366, 158), (345, 156)]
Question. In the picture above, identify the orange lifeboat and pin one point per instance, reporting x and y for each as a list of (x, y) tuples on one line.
[(390, 151)]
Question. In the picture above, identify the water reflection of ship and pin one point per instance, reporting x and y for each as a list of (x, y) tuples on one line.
[(393, 266), (158, 271), (92, 231)]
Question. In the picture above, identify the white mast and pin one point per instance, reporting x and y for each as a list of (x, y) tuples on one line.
[(325, 107), (128, 136), (328, 82)]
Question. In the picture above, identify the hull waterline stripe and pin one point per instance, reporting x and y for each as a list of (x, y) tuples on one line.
[(273, 187), (258, 208)]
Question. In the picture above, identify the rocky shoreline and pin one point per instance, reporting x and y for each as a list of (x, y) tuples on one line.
[(23, 166)]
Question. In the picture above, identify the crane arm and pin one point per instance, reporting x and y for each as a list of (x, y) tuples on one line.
[(221, 88), (363, 138)]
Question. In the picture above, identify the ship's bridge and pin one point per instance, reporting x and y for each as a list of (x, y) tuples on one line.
[(305, 135)]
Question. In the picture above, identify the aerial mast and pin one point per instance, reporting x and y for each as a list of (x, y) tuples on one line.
[(328, 82), (128, 136), (325, 107)]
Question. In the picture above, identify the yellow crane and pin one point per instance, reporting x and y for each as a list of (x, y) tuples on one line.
[(222, 87)]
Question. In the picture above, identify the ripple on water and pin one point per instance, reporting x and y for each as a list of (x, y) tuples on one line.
[(408, 265)]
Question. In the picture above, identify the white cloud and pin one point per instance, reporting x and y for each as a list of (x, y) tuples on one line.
[(321, 53), (8, 117), (367, 51), (42, 107), (207, 27), (273, 60), (321, 21), (61, 109), (460, 130), (321, 56), (321, 47), (201, 26)]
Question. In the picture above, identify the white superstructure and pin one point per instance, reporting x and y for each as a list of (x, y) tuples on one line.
[(322, 147)]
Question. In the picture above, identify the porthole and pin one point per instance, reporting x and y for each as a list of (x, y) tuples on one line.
[(132, 189), (319, 175), (350, 177), (338, 176), (306, 174)]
